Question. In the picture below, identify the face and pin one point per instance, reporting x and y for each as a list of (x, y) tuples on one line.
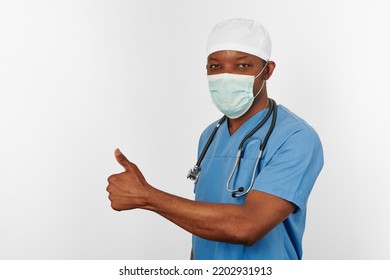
[(236, 62)]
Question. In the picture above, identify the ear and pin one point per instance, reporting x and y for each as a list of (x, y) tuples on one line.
[(269, 70)]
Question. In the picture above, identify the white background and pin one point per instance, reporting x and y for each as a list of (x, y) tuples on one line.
[(80, 78)]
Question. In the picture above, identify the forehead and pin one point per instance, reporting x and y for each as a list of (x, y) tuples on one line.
[(232, 56)]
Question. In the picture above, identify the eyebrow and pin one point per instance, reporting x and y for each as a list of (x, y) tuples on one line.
[(242, 57), (238, 58)]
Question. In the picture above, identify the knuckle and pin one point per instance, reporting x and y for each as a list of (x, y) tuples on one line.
[(115, 207), (112, 178), (108, 189)]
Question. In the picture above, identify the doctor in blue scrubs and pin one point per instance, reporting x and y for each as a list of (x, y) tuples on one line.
[(257, 166)]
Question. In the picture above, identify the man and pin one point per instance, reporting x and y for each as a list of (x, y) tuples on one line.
[(250, 205)]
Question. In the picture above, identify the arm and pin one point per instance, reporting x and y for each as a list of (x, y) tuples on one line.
[(220, 222)]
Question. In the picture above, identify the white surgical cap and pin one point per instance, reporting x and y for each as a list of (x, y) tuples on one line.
[(241, 35)]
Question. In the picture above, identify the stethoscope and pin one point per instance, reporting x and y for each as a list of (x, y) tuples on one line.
[(194, 173)]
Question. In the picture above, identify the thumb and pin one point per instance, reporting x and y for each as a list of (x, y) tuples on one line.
[(122, 160)]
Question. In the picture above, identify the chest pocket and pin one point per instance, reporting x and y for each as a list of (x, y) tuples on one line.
[(247, 165)]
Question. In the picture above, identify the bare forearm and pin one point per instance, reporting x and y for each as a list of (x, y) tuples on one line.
[(219, 222)]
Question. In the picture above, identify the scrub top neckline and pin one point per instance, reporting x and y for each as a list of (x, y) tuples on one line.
[(255, 118)]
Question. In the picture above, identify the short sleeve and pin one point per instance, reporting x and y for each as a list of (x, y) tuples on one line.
[(293, 168)]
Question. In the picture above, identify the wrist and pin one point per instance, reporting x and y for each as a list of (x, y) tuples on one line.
[(150, 199)]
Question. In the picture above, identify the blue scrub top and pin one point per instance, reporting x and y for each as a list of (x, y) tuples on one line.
[(288, 169)]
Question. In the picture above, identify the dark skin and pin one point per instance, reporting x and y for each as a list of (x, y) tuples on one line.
[(242, 224), (235, 62)]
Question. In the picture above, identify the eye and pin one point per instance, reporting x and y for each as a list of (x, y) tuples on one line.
[(243, 65), (214, 66)]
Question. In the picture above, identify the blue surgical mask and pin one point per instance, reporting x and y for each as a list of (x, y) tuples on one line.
[(232, 94)]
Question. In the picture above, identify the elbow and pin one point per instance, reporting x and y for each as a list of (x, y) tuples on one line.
[(248, 236), (249, 241)]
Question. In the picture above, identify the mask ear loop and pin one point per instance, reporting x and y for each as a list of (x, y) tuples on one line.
[(262, 70)]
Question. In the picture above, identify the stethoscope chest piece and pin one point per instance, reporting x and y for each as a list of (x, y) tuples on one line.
[(193, 174)]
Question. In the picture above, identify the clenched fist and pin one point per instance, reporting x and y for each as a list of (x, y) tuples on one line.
[(129, 189)]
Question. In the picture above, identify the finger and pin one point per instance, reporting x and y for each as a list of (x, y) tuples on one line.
[(122, 160)]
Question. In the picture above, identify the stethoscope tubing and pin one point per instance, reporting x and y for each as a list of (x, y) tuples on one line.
[(194, 172), (238, 192)]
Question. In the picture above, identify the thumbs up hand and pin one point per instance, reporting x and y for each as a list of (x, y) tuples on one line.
[(127, 190)]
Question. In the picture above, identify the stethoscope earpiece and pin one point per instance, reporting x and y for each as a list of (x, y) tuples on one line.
[(235, 193)]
